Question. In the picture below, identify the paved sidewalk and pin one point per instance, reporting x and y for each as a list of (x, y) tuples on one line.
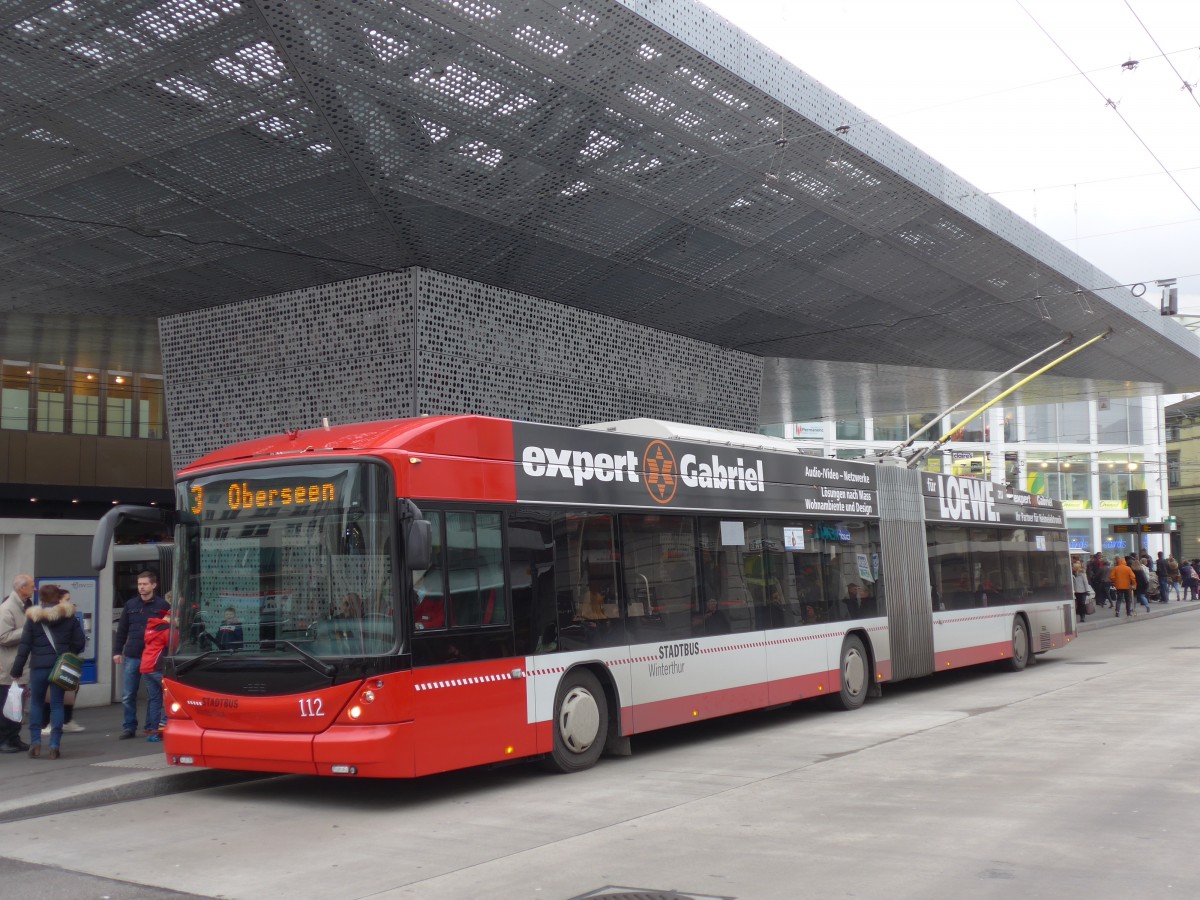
[(1106, 617), (98, 769)]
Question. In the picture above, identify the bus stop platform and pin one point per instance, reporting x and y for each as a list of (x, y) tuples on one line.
[(97, 769)]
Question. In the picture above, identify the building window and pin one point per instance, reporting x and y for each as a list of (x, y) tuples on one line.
[(851, 430), (1063, 479), (151, 418), (51, 398), (14, 402), (1173, 478), (1054, 423), (1119, 421), (1119, 473), (118, 405), (1079, 533), (85, 402)]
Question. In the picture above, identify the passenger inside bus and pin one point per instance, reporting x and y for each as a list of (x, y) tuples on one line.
[(715, 621), (852, 601), (596, 606)]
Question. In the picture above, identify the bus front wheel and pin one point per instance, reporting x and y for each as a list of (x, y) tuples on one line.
[(580, 723), (1020, 646), (854, 670)]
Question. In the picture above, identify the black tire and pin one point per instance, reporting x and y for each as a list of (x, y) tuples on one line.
[(1020, 646), (580, 723), (854, 671)]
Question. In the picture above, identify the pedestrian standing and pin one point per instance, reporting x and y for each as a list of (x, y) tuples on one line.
[(1187, 575), (129, 643), (50, 629), (1079, 586), (1173, 573), (1104, 576), (1141, 582), (1164, 578), (12, 625), (1123, 582), (158, 628)]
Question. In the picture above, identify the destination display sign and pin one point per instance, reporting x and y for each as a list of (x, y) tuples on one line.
[(955, 498), (564, 465), (292, 490)]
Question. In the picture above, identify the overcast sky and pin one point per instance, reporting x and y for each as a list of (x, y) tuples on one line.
[(981, 86)]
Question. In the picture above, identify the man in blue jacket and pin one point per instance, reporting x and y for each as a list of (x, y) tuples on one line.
[(130, 641)]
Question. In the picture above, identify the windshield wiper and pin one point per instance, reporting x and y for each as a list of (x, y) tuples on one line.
[(181, 667), (313, 662), (322, 668)]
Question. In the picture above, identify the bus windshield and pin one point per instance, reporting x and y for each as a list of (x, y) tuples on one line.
[(286, 558)]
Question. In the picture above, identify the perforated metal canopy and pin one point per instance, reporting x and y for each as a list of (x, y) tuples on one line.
[(643, 159)]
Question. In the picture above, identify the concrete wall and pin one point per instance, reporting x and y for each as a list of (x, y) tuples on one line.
[(34, 457), (60, 549)]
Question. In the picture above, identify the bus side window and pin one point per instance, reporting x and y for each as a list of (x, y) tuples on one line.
[(429, 587), (531, 577)]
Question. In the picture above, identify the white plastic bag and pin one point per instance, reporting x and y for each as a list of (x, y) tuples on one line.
[(14, 707)]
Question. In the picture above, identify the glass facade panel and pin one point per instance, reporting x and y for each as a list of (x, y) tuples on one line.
[(975, 431), (851, 430), (891, 428), (1041, 425), (1119, 473), (118, 405), (1054, 423), (150, 407), (59, 399), (14, 403), (1121, 422), (1079, 532), (1073, 424), (85, 402), (51, 398)]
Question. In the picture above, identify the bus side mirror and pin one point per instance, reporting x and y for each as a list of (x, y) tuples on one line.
[(418, 545), (108, 525)]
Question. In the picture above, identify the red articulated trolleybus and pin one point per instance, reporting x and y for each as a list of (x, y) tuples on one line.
[(398, 598)]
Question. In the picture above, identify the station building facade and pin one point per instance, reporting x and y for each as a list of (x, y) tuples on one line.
[(1087, 453)]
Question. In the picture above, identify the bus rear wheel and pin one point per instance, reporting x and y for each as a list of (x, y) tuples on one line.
[(580, 723), (1020, 646), (854, 671)]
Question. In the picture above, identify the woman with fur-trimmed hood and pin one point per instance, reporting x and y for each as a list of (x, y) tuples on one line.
[(50, 629)]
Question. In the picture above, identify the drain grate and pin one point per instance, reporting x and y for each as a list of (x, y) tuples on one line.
[(156, 761), (614, 892)]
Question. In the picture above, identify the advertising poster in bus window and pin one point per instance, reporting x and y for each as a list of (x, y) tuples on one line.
[(733, 534), (864, 568)]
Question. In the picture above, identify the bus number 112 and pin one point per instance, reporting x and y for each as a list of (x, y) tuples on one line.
[(310, 707)]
